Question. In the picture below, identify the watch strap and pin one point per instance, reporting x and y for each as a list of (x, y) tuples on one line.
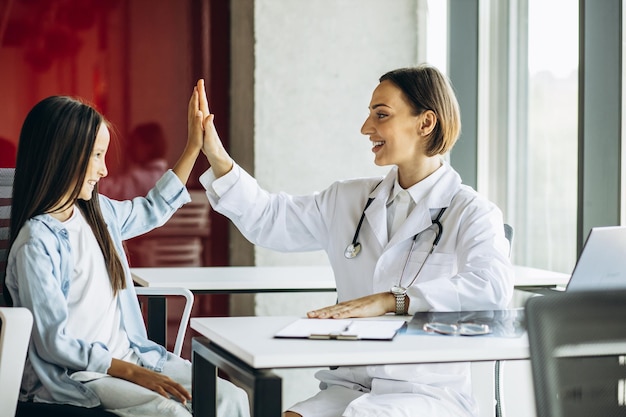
[(400, 304)]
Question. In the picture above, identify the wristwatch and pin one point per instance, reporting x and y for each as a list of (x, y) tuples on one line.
[(400, 294)]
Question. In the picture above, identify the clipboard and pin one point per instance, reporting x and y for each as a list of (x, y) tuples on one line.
[(341, 329)]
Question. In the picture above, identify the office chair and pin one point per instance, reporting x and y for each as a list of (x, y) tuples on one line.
[(578, 353), (509, 233), (15, 327)]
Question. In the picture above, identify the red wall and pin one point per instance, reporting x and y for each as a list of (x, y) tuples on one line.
[(135, 60)]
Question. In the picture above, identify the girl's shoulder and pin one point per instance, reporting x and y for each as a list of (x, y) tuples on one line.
[(42, 230), (43, 223)]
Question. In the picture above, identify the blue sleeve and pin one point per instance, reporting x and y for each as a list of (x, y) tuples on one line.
[(142, 214)]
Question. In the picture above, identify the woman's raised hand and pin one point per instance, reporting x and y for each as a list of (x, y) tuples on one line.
[(212, 146)]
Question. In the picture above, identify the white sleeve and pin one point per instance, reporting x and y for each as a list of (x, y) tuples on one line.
[(277, 221)]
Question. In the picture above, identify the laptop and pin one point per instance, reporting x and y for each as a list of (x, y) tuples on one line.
[(602, 262)]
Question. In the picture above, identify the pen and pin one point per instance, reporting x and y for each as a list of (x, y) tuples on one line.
[(347, 328), (342, 334)]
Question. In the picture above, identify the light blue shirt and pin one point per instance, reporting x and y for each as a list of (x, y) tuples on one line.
[(39, 272)]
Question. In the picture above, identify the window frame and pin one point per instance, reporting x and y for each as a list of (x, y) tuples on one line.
[(490, 80)]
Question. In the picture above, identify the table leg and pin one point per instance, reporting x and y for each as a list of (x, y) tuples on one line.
[(207, 357), (267, 397), (203, 386), (157, 319)]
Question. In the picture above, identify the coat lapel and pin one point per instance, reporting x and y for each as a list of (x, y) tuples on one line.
[(439, 195), (376, 214), (418, 220)]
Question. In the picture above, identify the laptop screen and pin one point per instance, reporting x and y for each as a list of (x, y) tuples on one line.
[(602, 262)]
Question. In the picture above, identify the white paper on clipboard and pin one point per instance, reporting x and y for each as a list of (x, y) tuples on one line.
[(341, 329)]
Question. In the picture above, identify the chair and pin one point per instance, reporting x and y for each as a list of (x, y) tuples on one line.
[(509, 233), (484, 370), (578, 353), (15, 327), (28, 409), (6, 183), (485, 376), (514, 389), (183, 293)]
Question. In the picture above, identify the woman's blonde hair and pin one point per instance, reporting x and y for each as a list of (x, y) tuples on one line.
[(426, 88)]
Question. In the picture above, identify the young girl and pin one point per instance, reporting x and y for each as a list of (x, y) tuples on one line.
[(414, 240), (67, 265)]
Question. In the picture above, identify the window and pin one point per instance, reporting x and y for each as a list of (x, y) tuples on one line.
[(514, 65), (545, 206)]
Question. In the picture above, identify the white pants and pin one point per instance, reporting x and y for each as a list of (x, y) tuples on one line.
[(377, 391), (127, 399)]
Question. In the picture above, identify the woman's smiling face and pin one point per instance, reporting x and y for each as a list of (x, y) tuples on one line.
[(392, 127)]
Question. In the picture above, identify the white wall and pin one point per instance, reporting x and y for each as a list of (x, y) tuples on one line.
[(315, 64)]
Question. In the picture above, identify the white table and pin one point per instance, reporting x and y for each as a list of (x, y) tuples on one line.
[(252, 279), (526, 276), (236, 279), (244, 347), (259, 279), (226, 280)]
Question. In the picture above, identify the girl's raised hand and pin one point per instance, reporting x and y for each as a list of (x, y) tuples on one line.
[(195, 136), (195, 116)]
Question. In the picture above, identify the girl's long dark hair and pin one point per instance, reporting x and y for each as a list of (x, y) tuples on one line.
[(56, 143)]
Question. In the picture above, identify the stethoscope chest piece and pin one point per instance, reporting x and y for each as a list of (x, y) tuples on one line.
[(352, 250)]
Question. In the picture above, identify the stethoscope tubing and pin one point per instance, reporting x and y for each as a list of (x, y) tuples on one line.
[(358, 227), (354, 248), (438, 234)]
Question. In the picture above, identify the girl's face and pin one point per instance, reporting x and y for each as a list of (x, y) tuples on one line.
[(392, 127), (96, 168)]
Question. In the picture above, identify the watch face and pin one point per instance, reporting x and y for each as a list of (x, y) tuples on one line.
[(398, 290)]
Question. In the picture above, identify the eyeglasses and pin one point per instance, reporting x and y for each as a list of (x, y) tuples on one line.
[(457, 329)]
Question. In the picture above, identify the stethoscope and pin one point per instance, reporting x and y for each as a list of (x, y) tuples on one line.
[(436, 222), (354, 248)]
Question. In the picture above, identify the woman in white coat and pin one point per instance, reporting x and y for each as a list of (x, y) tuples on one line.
[(379, 234)]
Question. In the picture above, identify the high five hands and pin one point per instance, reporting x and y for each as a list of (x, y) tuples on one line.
[(212, 146)]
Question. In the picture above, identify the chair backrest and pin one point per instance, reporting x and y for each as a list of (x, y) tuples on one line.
[(509, 233), (6, 192), (578, 353), (15, 327)]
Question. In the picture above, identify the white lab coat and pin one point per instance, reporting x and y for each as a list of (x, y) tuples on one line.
[(469, 270)]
